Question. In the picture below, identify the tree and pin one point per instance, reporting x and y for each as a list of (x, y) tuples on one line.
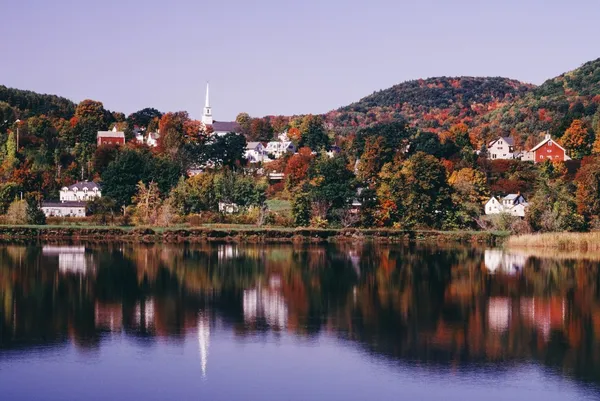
[(147, 203), (577, 139), (419, 190), (194, 195), (35, 215), (8, 193), (244, 120), (17, 212), (330, 181), (313, 133), (90, 117), (372, 159), (469, 184), (260, 130), (301, 210), (588, 189), (172, 132), (121, 177), (243, 190), (553, 208), (142, 118), (226, 150), (102, 209), (296, 168)]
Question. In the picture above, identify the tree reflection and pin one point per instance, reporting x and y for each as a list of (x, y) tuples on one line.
[(431, 305)]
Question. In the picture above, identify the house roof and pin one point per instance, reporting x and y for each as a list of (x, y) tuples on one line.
[(508, 139), (226, 126), (512, 196), (63, 204), (547, 139), (85, 184), (253, 145), (111, 134)]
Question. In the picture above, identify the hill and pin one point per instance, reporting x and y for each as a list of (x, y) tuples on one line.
[(432, 104), (551, 107), (27, 104)]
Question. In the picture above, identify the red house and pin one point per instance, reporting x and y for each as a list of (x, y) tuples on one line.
[(548, 149), (113, 137)]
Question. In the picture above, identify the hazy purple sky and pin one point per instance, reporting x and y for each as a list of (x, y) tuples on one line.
[(280, 57)]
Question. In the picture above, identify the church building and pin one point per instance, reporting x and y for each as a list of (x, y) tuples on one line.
[(219, 127)]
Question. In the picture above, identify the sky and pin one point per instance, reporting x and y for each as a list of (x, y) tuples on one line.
[(271, 57)]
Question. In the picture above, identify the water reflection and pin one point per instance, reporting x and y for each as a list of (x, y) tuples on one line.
[(432, 306)]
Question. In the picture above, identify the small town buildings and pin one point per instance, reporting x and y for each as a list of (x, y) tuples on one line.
[(501, 148), (80, 192), (513, 204), (113, 137), (63, 209), (150, 139), (279, 148), (255, 152), (548, 149)]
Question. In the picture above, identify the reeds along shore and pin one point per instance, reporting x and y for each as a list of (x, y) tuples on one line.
[(588, 242)]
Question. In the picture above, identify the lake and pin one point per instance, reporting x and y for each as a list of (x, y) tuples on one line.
[(285, 322)]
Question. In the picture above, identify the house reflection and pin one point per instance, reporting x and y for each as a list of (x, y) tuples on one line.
[(144, 315), (498, 261), (71, 259), (266, 303), (109, 316)]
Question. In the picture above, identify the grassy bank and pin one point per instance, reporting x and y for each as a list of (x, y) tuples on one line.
[(240, 234), (582, 242)]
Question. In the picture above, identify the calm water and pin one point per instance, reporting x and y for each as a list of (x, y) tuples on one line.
[(227, 322)]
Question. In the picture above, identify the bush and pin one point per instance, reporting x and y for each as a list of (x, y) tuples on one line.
[(17, 212)]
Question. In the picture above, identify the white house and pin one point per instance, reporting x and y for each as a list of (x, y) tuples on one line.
[(150, 139), (279, 148), (63, 209), (255, 152), (501, 148), (513, 204), (80, 192)]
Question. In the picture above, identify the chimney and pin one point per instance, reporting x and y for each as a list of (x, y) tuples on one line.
[(547, 136)]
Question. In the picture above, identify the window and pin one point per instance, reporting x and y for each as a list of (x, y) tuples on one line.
[(549, 143)]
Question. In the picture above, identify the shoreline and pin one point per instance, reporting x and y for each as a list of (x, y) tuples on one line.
[(242, 234)]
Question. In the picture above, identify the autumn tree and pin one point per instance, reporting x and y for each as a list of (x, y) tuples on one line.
[(313, 133), (172, 132), (469, 194), (577, 139), (296, 168), (418, 190), (244, 120), (373, 158), (147, 203), (260, 130), (588, 189)]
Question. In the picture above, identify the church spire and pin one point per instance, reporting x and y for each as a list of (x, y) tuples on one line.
[(207, 102), (207, 115)]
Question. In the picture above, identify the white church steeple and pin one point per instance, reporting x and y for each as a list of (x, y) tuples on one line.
[(207, 115)]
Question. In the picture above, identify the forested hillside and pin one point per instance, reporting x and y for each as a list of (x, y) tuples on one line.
[(433, 104), (551, 107), (27, 104)]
